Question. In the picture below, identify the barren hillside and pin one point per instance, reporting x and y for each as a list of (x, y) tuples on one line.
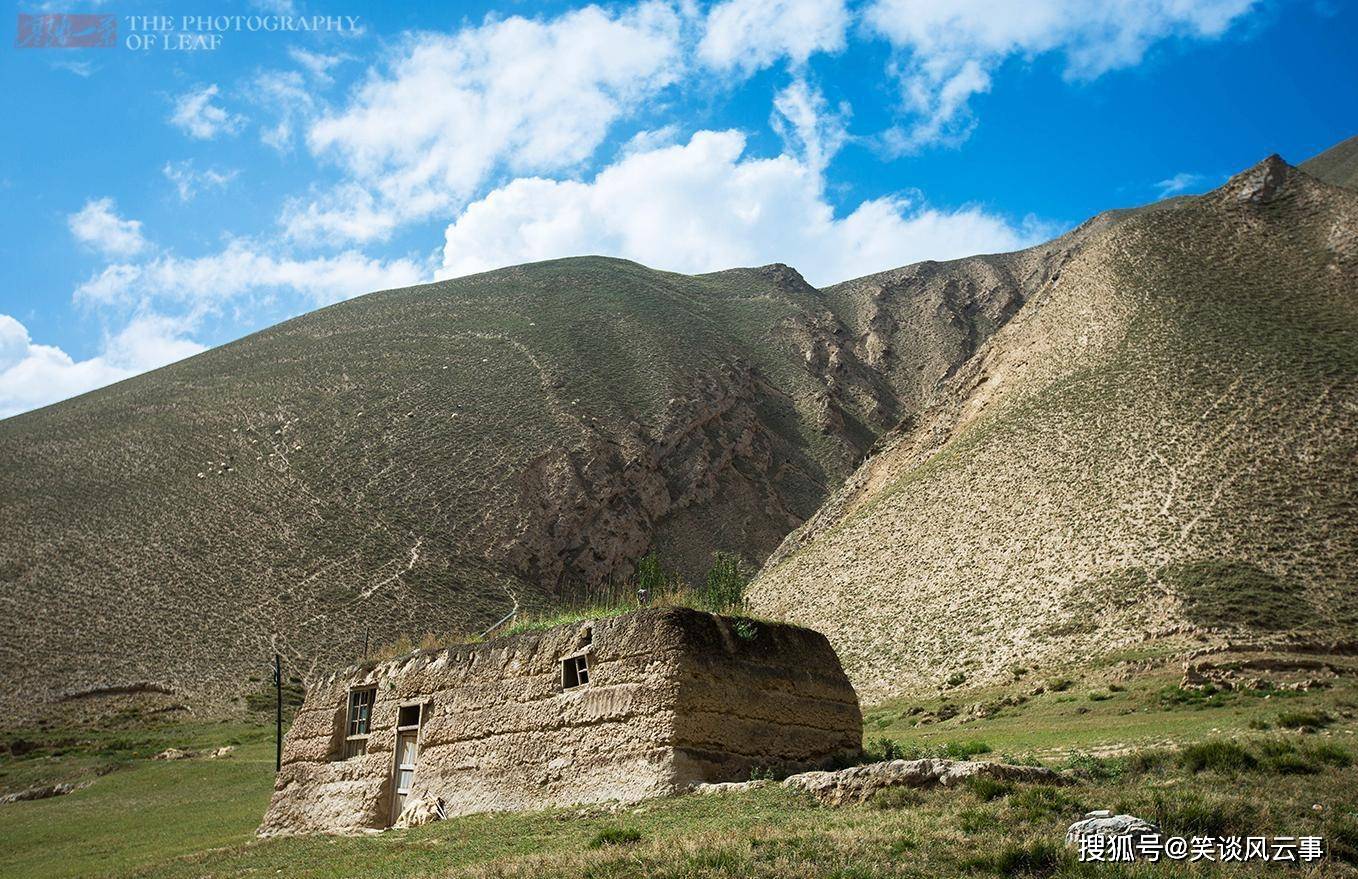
[(1161, 443), (419, 460)]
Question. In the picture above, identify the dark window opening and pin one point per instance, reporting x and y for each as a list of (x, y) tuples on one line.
[(574, 671), (409, 715)]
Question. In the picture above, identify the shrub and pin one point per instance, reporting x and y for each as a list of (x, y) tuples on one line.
[(1035, 858), (963, 750), (1093, 768), (615, 836), (1331, 754), (1099, 696), (1304, 720), (882, 748), (724, 589), (1041, 802), (1341, 838), (1188, 813), (1059, 685), (1217, 755), (1149, 760), (977, 820), (651, 576), (1256, 723), (956, 679), (988, 789)]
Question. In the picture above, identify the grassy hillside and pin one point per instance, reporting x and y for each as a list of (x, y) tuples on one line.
[(1160, 445), (424, 460), (1222, 763)]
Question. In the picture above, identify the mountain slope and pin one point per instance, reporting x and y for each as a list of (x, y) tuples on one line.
[(1160, 444), (426, 459), (1337, 165)]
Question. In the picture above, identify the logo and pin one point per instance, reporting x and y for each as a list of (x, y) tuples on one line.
[(62, 31)]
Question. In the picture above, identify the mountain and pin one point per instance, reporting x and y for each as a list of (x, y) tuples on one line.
[(1337, 165), (1160, 445), (426, 459)]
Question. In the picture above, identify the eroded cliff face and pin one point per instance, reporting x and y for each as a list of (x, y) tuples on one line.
[(1159, 445)]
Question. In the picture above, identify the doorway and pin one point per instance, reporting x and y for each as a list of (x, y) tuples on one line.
[(407, 755)]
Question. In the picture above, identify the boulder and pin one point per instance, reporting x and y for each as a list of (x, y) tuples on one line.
[(173, 754), (857, 784), (730, 787), (1103, 822), (420, 811), (221, 752)]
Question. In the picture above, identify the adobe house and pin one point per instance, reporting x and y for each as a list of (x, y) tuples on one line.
[(623, 708)]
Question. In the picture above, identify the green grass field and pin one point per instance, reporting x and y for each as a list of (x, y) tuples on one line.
[(195, 818)]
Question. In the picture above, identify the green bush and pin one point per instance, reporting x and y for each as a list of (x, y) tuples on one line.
[(1059, 685), (1216, 755), (988, 789), (1304, 720), (724, 589), (1188, 813), (1035, 858), (1041, 802), (882, 748), (977, 820), (956, 679), (615, 836)]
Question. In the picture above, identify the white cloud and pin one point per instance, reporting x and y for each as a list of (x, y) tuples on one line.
[(317, 64), (197, 116), (33, 375), (98, 225), (1181, 182), (702, 206), (949, 48), (515, 95), (807, 127), (286, 94), (188, 181), (749, 35), (240, 269), (347, 212)]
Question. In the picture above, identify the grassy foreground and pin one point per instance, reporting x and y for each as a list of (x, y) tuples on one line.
[(1223, 764)]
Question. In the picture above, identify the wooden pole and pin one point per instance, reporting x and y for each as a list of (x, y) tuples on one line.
[(278, 718)]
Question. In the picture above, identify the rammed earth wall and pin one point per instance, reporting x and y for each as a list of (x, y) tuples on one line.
[(675, 696)]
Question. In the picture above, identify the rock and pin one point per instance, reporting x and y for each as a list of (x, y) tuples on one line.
[(857, 784), (42, 792), (221, 752), (1103, 822), (420, 811), (730, 787), (173, 754)]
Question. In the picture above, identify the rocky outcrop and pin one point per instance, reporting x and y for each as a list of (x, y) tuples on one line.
[(859, 783), (43, 791)]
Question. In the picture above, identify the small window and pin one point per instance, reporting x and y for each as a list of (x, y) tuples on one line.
[(408, 716), (360, 721), (574, 671)]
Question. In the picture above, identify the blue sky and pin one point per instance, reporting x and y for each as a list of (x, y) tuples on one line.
[(159, 201)]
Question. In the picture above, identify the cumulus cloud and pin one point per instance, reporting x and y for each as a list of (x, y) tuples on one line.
[(242, 268), (703, 206), (749, 35), (98, 225), (189, 181), (33, 375), (949, 48), (197, 116), (515, 95)]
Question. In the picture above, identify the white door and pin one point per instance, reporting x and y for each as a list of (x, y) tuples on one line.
[(407, 750)]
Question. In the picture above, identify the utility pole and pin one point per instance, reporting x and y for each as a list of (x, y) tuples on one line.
[(278, 717)]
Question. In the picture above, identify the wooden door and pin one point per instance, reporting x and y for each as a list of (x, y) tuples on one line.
[(407, 751)]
